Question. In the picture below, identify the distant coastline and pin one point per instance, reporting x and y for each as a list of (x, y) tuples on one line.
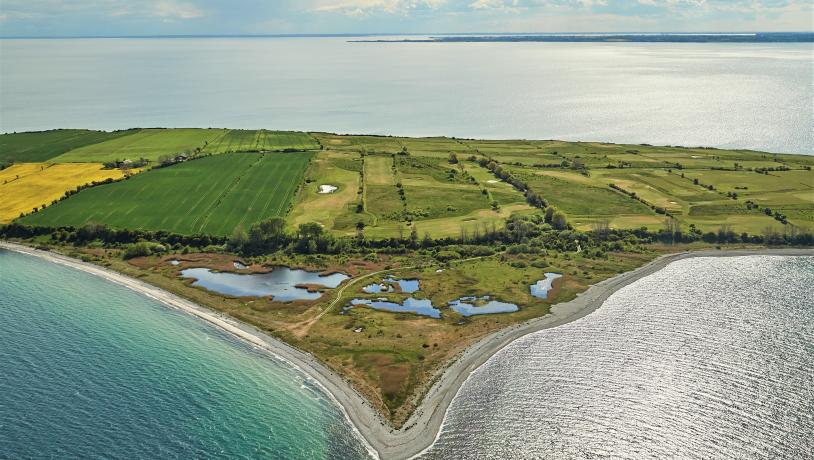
[(424, 426), (475, 37), (756, 37)]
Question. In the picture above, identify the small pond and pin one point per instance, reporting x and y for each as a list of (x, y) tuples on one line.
[(409, 286), (419, 306), (469, 306), (281, 283), (239, 265), (327, 189), (541, 288), (377, 288), (175, 262)]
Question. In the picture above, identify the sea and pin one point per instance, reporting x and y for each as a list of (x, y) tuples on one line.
[(91, 369), (729, 95), (709, 358)]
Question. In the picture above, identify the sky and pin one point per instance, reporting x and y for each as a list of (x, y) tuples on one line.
[(27, 18)]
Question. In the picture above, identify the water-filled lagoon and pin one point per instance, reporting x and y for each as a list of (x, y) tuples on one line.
[(470, 306), (281, 283), (421, 307), (541, 288)]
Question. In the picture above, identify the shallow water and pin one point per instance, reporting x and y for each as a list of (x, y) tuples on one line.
[(541, 288), (410, 305), (713, 94), (90, 369), (470, 306), (710, 358), (280, 283)]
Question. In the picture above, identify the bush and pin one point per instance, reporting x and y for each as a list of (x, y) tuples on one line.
[(447, 255), (142, 249)]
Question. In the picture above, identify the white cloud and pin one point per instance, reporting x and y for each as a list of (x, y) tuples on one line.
[(164, 9), (366, 7), (171, 9)]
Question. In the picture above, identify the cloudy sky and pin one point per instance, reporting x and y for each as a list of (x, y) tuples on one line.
[(205, 17)]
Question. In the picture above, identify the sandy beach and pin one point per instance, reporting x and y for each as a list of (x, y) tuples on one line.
[(423, 427)]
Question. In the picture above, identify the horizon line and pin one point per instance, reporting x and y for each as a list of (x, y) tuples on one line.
[(384, 34)]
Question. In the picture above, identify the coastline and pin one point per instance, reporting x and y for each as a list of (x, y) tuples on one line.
[(425, 424)]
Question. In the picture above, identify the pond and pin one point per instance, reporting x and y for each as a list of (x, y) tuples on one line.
[(541, 288), (281, 283), (377, 288), (407, 286), (411, 305), (324, 189), (470, 306)]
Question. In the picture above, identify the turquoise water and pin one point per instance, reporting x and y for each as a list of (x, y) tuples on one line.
[(89, 368)]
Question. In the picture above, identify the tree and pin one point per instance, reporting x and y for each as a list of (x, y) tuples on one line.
[(559, 220), (549, 214), (238, 239), (414, 236), (453, 158)]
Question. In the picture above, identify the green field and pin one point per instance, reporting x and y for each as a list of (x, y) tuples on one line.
[(240, 140), (44, 145), (211, 195), (144, 143), (392, 184)]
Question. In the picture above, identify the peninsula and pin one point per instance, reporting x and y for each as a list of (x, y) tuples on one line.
[(397, 265)]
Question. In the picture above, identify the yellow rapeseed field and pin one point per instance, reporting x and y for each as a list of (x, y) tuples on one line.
[(26, 186)]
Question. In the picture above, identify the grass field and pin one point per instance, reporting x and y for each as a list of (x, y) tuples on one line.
[(240, 140), (211, 195), (327, 209), (45, 145), (410, 180), (24, 186), (144, 143)]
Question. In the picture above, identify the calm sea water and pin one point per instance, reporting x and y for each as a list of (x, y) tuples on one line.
[(89, 369), (725, 95), (708, 359)]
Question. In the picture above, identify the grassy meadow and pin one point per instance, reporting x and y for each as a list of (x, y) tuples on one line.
[(44, 145), (211, 195), (144, 143), (241, 140)]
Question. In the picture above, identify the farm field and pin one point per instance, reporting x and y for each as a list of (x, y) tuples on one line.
[(241, 140), (331, 210), (389, 184), (144, 143), (44, 145), (25, 186), (211, 195)]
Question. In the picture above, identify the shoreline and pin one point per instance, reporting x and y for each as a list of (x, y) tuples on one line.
[(424, 426)]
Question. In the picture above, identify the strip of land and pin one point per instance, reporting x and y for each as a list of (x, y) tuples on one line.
[(424, 425)]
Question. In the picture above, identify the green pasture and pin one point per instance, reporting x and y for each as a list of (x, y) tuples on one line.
[(144, 143), (241, 140), (42, 146), (211, 195)]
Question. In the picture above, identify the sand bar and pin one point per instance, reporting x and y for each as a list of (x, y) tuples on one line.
[(423, 427)]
